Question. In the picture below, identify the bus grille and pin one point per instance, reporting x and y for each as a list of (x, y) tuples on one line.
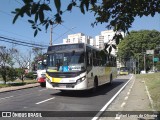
[(64, 85)]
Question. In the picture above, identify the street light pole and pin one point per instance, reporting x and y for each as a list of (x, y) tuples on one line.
[(144, 62), (138, 63), (153, 60)]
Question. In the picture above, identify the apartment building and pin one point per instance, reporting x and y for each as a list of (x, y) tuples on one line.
[(77, 38), (98, 41)]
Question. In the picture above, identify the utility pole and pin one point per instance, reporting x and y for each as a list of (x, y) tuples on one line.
[(138, 63), (144, 62), (153, 60), (51, 35)]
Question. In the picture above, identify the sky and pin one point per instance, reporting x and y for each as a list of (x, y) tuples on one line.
[(74, 22)]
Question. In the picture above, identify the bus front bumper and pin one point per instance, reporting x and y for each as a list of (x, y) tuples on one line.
[(67, 86)]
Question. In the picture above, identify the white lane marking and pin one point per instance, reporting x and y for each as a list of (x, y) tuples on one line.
[(117, 118), (126, 98), (45, 100), (42, 89), (6, 97), (128, 93), (123, 104), (110, 101), (129, 90)]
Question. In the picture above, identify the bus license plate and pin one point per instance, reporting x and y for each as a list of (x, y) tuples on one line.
[(62, 86)]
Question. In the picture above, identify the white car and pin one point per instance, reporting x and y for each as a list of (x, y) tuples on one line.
[(143, 72), (151, 71)]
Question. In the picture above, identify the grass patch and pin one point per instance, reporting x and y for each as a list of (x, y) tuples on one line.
[(4, 85), (153, 83), (18, 83)]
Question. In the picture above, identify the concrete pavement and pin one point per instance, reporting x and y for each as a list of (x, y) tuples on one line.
[(13, 88), (135, 101)]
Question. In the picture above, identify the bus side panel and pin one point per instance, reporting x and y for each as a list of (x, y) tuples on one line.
[(103, 74), (114, 72), (90, 79), (108, 73)]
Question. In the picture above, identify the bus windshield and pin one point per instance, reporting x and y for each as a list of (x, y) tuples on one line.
[(66, 62), (40, 66)]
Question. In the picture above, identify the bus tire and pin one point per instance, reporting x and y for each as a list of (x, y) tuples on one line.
[(95, 86), (111, 79), (43, 84)]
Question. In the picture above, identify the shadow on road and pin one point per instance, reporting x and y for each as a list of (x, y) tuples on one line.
[(101, 90)]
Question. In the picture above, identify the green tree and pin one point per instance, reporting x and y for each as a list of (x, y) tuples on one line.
[(117, 14), (135, 45), (20, 73), (5, 63), (23, 60), (158, 66), (8, 73), (11, 74)]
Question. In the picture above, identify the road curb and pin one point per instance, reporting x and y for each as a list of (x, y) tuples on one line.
[(9, 89)]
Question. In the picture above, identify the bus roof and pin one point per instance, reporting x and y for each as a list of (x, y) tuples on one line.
[(61, 44)]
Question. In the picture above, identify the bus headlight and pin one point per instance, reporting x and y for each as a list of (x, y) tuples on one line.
[(81, 79)]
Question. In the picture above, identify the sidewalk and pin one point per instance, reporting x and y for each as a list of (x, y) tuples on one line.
[(13, 88), (133, 98)]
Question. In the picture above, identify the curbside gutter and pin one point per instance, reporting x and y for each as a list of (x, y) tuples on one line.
[(14, 88)]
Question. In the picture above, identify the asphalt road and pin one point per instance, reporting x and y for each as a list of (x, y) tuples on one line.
[(41, 99)]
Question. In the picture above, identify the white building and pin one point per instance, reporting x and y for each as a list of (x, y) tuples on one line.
[(106, 37), (99, 41), (77, 38)]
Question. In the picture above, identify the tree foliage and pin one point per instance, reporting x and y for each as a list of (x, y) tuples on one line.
[(158, 66), (136, 44), (23, 61), (6, 63), (8, 73), (118, 14)]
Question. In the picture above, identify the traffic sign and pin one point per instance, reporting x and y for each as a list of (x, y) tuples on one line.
[(150, 52), (155, 59)]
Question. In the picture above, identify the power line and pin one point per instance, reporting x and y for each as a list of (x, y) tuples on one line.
[(63, 34), (18, 2), (20, 42), (18, 35)]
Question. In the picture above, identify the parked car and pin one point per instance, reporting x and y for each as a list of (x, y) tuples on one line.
[(151, 71), (42, 81), (143, 72)]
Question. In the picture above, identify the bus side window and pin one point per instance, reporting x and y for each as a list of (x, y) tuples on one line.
[(94, 59), (89, 57), (107, 60)]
